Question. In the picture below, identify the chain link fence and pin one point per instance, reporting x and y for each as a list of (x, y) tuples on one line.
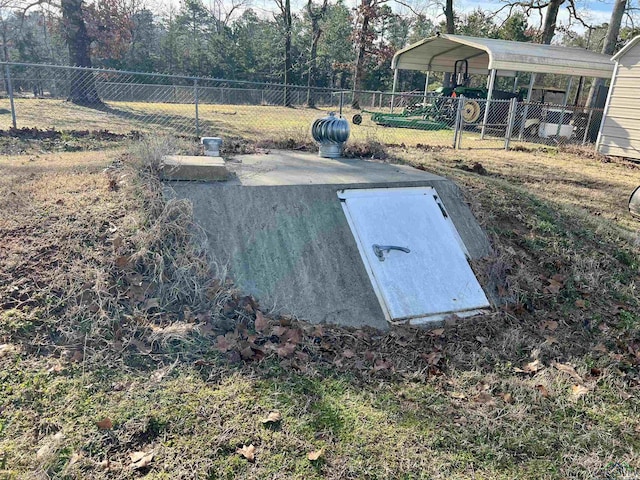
[(70, 98)]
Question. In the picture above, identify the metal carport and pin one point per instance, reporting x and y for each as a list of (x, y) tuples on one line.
[(494, 57)]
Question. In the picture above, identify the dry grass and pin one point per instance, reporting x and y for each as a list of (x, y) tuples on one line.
[(87, 244), (247, 122), (576, 178)]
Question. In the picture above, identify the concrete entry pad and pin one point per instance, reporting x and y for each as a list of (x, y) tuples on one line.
[(278, 228), (190, 168)]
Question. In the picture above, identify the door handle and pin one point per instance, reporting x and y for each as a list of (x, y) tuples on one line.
[(380, 249)]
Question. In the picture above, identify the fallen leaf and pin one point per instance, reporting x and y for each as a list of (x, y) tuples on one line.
[(105, 424), (222, 344), (261, 323), (551, 325), (286, 350), (530, 367), (77, 356), (247, 353), (543, 390), (293, 335), (507, 397), (315, 455), (75, 458), (579, 390), (348, 353), (248, 452), (122, 261), (601, 348), (458, 395), (580, 303), (117, 242), (141, 459), (438, 332), (568, 369), (595, 372), (273, 417), (432, 358), (278, 330), (381, 365), (553, 287), (7, 349), (484, 398), (549, 340)]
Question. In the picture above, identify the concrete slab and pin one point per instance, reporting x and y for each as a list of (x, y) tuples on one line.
[(278, 229), (281, 167), (194, 168)]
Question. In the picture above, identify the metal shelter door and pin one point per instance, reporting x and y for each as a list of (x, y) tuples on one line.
[(413, 254)]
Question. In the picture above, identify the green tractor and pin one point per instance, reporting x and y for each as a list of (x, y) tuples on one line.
[(439, 112)]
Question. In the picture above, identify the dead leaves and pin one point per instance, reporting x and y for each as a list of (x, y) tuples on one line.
[(248, 452), (261, 323), (578, 391), (531, 367), (273, 417), (105, 424), (141, 460), (556, 283), (543, 390), (569, 370), (315, 455), (7, 349)]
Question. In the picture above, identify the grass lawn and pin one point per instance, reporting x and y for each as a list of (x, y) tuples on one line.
[(247, 122), (113, 363)]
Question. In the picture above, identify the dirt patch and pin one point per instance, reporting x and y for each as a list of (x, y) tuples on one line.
[(33, 140)]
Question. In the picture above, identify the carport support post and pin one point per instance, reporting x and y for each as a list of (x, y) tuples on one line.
[(393, 90), (532, 81), (426, 87), (492, 81)]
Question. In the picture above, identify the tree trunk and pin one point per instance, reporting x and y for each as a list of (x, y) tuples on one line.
[(550, 20), (83, 87), (358, 70), (287, 52), (315, 17), (610, 41), (451, 29)]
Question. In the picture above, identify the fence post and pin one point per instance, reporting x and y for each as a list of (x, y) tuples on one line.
[(195, 99), (513, 106), (10, 92), (457, 132), (341, 101), (586, 127)]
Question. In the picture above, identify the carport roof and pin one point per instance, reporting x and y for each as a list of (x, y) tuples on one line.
[(439, 53)]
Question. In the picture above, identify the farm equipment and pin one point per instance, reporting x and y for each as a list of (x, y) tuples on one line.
[(440, 112)]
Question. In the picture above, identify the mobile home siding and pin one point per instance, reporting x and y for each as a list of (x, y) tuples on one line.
[(620, 130)]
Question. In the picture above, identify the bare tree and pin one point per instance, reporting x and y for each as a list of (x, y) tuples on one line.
[(316, 14), (609, 46), (286, 20)]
